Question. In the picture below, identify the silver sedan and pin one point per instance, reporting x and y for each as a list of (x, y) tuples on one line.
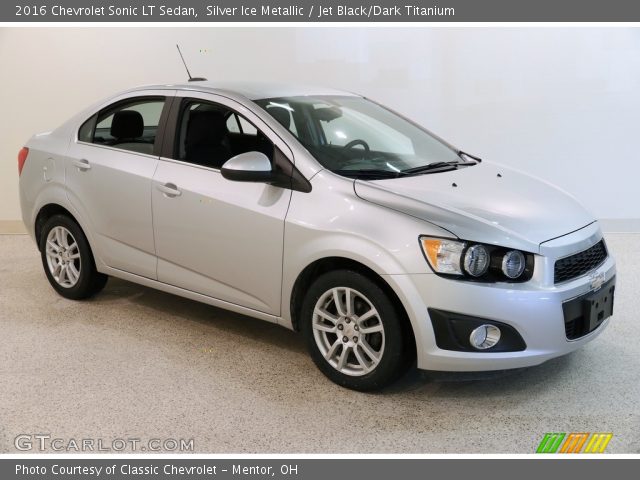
[(326, 213)]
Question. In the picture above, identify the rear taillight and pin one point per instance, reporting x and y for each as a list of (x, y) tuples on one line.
[(22, 157)]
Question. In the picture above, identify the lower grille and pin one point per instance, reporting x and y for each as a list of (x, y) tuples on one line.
[(575, 328), (577, 265)]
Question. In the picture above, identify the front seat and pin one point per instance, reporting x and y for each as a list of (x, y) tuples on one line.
[(204, 140)]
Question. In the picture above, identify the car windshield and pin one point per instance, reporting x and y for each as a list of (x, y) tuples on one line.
[(358, 138)]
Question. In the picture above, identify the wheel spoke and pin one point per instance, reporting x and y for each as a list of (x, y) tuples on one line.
[(52, 247), (366, 316), (325, 328), (58, 234), (57, 270), (65, 239), (369, 351), (361, 361), (72, 273), (63, 275), (348, 301), (321, 312), (344, 355), (338, 301), (330, 353), (371, 329), (74, 251)]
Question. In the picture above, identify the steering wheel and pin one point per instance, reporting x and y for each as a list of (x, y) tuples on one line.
[(356, 142)]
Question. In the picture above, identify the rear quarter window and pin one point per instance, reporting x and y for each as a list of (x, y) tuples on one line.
[(130, 124)]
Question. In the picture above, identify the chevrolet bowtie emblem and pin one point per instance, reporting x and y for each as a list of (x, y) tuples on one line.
[(597, 280)]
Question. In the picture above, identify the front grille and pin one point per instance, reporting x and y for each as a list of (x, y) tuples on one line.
[(577, 265)]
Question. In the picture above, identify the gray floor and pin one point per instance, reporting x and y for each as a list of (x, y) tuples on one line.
[(135, 363)]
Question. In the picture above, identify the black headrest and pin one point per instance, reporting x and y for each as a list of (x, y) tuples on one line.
[(205, 127), (281, 114), (127, 124)]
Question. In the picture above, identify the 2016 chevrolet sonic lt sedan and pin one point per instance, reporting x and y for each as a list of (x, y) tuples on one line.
[(326, 213)]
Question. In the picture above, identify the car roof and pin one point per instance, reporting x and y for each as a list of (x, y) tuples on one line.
[(254, 90)]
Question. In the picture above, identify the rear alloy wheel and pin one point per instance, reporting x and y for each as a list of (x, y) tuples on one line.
[(67, 259), (354, 332), (63, 257)]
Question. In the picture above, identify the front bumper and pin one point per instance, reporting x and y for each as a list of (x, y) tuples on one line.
[(534, 309)]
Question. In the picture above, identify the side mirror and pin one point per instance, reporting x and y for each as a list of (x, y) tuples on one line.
[(256, 167), (248, 167)]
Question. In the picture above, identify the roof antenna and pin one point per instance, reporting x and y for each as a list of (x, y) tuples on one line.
[(191, 79)]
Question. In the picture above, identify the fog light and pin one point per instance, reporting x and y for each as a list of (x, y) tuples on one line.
[(485, 336)]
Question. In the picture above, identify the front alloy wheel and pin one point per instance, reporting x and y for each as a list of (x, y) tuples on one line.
[(355, 333), (348, 331)]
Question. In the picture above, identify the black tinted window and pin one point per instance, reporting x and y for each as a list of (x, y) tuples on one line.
[(209, 134), (130, 125)]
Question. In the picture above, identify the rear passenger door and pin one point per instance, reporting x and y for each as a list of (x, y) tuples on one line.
[(109, 173), (216, 237)]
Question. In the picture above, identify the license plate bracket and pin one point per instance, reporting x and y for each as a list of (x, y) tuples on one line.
[(598, 306)]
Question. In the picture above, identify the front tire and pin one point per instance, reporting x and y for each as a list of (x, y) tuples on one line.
[(67, 259), (354, 332)]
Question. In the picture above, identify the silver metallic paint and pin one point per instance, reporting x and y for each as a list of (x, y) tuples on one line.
[(249, 161)]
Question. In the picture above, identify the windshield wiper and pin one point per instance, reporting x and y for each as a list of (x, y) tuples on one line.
[(368, 174), (380, 174), (435, 166), (473, 157)]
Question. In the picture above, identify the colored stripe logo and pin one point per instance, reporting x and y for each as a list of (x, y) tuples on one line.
[(598, 442), (574, 442), (550, 442)]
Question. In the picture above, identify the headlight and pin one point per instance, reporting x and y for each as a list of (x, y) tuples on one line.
[(513, 264), (477, 261)]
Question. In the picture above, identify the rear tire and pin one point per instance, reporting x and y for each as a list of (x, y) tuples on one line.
[(354, 331), (67, 259)]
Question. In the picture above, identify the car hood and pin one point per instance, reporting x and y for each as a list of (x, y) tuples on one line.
[(486, 203)]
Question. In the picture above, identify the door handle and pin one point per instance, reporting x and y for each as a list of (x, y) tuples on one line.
[(83, 165), (169, 190)]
